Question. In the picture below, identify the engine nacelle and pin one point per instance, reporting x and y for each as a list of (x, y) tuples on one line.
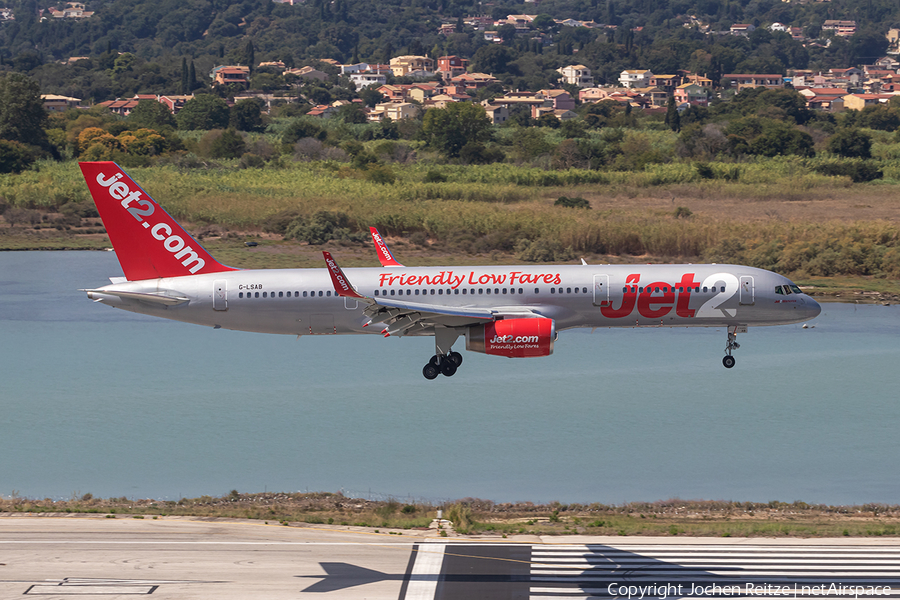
[(513, 338)]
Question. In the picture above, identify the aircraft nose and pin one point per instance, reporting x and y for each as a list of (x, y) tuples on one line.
[(813, 309)]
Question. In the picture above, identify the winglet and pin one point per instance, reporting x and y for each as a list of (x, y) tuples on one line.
[(384, 254), (342, 285)]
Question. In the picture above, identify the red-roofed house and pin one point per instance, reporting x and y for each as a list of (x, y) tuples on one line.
[(227, 74), (451, 66), (120, 107)]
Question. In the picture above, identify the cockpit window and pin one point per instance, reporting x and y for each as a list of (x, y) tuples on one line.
[(779, 291), (795, 289)]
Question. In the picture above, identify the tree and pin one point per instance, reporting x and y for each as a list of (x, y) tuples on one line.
[(673, 119), (850, 143), (14, 157), (228, 145), (152, 114), (203, 112), (184, 76), (192, 79), (22, 115), (352, 113), (494, 59), (449, 129), (302, 128), (371, 96), (250, 55), (246, 115)]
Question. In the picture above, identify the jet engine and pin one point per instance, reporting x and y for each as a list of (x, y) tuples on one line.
[(513, 338)]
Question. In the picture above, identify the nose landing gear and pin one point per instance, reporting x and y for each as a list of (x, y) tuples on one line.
[(733, 330)]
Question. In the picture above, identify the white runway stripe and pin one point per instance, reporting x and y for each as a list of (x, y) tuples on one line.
[(425, 572), (582, 571)]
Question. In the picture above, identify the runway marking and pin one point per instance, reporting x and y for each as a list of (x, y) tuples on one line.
[(425, 572), (592, 571), (92, 587)]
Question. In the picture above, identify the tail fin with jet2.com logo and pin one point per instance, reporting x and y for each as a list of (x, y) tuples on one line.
[(148, 242)]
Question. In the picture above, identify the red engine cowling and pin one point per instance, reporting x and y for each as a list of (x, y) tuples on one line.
[(513, 338)]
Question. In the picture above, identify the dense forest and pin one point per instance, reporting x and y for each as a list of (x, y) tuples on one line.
[(138, 46)]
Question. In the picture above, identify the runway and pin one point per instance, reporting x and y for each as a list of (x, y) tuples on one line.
[(180, 558)]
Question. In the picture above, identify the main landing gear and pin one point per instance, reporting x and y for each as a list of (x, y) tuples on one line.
[(442, 364), (728, 359), (445, 361)]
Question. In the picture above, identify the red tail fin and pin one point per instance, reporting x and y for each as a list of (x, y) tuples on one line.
[(148, 242), (384, 254)]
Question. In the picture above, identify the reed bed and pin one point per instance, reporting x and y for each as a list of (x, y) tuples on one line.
[(507, 207)]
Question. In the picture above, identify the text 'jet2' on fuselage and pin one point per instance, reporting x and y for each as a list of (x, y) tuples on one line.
[(513, 311)]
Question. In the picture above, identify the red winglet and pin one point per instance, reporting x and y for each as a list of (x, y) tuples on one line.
[(148, 242), (384, 254), (342, 285)]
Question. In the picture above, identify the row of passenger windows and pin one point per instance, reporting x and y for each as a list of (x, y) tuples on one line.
[(488, 291), (283, 294), (409, 292), (474, 291), (665, 289)]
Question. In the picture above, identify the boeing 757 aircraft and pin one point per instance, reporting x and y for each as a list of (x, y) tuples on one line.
[(513, 311)]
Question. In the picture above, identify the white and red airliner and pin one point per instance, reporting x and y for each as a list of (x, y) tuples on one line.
[(512, 311)]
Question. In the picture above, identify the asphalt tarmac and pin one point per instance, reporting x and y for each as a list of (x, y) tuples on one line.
[(94, 558)]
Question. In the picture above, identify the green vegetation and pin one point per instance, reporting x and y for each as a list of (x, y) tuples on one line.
[(512, 210), (483, 517)]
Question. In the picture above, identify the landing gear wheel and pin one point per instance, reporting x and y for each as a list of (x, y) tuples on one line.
[(728, 361), (456, 357), (448, 368), (430, 371), (433, 361)]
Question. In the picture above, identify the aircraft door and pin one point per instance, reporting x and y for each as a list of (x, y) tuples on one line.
[(747, 290), (351, 303), (220, 295), (601, 290)]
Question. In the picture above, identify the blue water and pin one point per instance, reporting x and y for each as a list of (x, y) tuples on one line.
[(99, 400)]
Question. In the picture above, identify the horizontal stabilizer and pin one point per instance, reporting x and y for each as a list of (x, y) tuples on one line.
[(165, 298)]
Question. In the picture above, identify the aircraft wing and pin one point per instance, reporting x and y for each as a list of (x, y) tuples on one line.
[(402, 317)]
